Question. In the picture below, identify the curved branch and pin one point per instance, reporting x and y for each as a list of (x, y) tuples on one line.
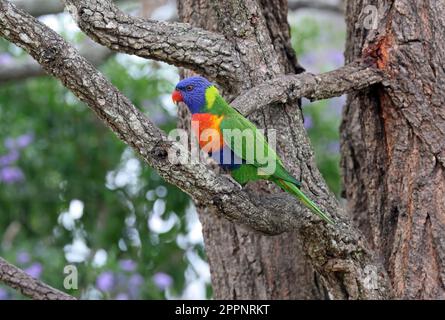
[(176, 43), (354, 76), (27, 285), (61, 60), (334, 251), (29, 68)]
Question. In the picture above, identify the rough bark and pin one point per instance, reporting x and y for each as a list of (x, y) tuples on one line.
[(245, 264), (393, 142), (176, 43), (345, 266), (20, 69), (27, 285), (288, 88), (29, 68)]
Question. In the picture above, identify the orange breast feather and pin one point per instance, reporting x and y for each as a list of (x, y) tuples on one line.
[(206, 128)]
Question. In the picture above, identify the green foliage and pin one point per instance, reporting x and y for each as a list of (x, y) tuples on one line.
[(319, 44), (135, 236), (304, 35), (322, 126), (71, 155)]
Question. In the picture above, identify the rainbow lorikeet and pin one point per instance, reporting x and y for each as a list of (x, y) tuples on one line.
[(233, 141)]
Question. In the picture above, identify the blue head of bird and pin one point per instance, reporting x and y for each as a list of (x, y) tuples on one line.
[(192, 91)]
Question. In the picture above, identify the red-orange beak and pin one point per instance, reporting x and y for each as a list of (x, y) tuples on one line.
[(177, 96)]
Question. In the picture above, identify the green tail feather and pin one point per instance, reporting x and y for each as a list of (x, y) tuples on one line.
[(292, 189)]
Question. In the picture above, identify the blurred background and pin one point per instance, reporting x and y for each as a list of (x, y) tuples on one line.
[(71, 193)]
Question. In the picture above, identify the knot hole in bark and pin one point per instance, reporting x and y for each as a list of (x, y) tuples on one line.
[(217, 201), (49, 55), (160, 151)]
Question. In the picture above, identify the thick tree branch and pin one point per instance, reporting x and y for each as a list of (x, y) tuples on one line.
[(335, 251), (354, 76), (61, 60), (176, 43), (318, 5), (27, 285), (29, 68), (43, 7)]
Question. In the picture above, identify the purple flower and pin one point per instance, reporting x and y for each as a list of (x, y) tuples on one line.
[(10, 175), (159, 118), (162, 280), (20, 142), (127, 265), (9, 143), (8, 159), (309, 62), (337, 57), (134, 284), (34, 270), (5, 58), (308, 122), (337, 104), (334, 147), (23, 257), (105, 281), (136, 280), (122, 296), (24, 140), (3, 294), (308, 59)]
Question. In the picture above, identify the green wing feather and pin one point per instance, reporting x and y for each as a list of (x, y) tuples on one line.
[(250, 172), (292, 189), (248, 151)]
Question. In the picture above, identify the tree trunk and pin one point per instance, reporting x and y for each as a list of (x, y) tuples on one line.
[(393, 142), (245, 264), (404, 114)]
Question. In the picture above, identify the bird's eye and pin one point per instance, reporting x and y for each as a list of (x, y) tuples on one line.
[(189, 88)]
